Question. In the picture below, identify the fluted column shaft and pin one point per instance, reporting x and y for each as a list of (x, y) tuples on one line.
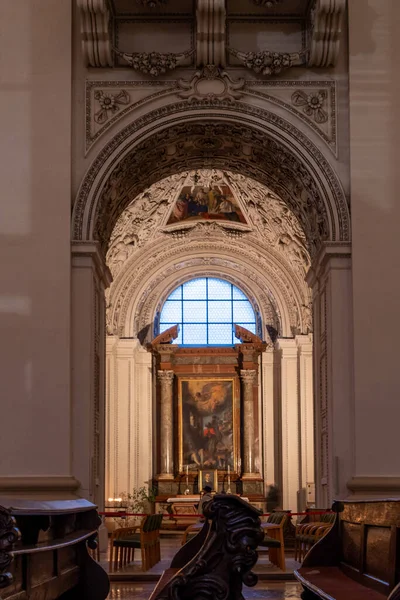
[(166, 379), (249, 378)]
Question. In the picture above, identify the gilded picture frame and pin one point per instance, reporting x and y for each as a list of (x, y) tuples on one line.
[(208, 423), (208, 477)]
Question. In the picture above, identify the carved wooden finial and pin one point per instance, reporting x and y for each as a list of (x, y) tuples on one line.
[(167, 336)]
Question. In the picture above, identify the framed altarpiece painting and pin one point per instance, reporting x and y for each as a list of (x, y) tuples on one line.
[(209, 424)]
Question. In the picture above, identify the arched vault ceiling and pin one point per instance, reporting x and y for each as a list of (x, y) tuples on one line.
[(257, 241), (241, 149)]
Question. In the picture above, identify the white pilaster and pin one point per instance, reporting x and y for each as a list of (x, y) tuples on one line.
[(305, 365), (330, 279), (129, 416), (89, 278), (270, 417), (290, 423)]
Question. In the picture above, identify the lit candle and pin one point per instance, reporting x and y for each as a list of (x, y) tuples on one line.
[(187, 475)]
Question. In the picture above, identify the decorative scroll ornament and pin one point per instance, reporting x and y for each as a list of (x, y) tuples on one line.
[(95, 32), (154, 63), (211, 82), (269, 63), (109, 104), (312, 104), (9, 534)]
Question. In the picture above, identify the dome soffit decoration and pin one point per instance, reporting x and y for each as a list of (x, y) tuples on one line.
[(241, 149), (234, 219), (184, 205)]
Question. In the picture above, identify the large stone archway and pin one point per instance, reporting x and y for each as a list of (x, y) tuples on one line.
[(253, 143)]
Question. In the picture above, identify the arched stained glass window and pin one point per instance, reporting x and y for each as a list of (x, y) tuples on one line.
[(206, 310)]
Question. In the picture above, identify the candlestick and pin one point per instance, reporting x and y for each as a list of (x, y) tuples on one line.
[(187, 491)]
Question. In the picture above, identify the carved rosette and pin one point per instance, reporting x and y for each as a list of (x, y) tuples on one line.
[(249, 379), (9, 534), (166, 380), (312, 104)]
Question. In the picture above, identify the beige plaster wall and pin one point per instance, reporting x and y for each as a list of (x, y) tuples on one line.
[(35, 172), (375, 180)]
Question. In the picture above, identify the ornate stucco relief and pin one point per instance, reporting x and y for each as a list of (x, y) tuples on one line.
[(314, 102), (264, 128), (109, 101), (125, 96)]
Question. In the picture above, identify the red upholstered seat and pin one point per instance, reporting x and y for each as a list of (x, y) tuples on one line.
[(335, 584)]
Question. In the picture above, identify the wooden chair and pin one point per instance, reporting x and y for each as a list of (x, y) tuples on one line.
[(124, 540), (274, 538), (307, 534)]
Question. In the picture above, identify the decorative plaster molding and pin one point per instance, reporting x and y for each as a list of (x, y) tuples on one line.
[(95, 32), (325, 30), (147, 280), (312, 104), (269, 63), (89, 209), (95, 128), (281, 93), (153, 63), (109, 104), (285, 172), (210, 82)]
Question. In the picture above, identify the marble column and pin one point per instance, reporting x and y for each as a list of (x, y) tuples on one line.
[(166, 379), (249, 379)]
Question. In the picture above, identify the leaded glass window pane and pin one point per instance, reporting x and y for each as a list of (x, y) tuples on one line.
[(206, 309), (194, 334), (219, 311), (243, 311), (172, 312), (195, 311), (195, 289), (219, 289), (220, 334)]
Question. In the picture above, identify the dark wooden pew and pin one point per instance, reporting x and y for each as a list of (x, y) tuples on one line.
[(218, 560), (44, 551), (359, 558)]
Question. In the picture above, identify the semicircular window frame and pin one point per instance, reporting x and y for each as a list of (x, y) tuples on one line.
[(206, 310)]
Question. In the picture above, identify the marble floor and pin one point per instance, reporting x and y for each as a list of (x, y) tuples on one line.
[(263, 591), (171, 544)]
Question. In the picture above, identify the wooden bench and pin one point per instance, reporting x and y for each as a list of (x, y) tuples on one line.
[(359, 558), (218, 560), (44, 551)]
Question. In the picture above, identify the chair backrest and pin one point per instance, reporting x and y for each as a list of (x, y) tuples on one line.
[(328, 517), (277, 518), (123, 532)]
